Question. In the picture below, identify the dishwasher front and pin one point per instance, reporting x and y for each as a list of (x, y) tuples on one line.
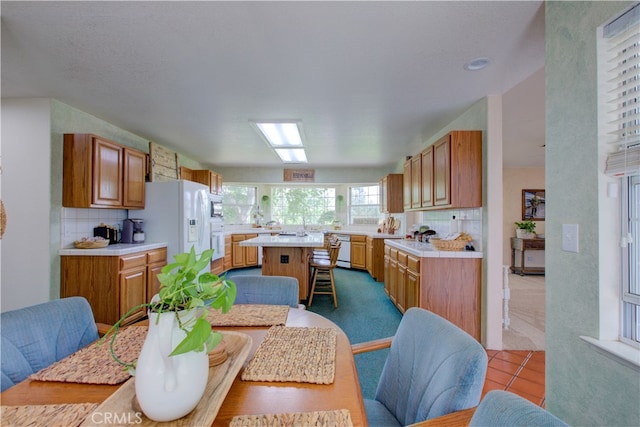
[(344, 255)]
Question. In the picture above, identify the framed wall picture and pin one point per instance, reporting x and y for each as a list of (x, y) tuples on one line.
[(533, 205)]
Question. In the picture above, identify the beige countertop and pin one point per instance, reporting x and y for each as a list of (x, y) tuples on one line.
[(369, 233), (113, 250), (425, 250), (311, 240)]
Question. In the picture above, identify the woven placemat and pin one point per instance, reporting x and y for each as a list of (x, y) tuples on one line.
[(94, 364), (337, 418), (298, 354), (250, 315), (64, 415)]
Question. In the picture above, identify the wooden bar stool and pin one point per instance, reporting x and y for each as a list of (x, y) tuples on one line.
[(322, 281), (323, 252)]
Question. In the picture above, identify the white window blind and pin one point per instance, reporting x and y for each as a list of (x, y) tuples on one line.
[(623, 49)]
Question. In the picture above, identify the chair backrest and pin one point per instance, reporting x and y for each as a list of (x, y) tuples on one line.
[(333, 252), (433, 368), (275, 290), (501, 408), (34, 337)]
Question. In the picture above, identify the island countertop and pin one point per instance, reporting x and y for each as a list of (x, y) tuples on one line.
[(310, 240)]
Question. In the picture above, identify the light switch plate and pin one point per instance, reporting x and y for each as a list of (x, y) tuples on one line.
[(570, 238)]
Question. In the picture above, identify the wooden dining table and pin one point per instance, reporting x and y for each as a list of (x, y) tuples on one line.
[(244, 397)]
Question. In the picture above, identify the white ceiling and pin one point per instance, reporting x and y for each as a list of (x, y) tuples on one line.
[(369, 80)]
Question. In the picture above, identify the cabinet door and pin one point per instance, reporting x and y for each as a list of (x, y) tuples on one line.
[(153, 284), (133, 292), (402, 287), (186, 173), (406, 185), (219, 183), (387, 270), (383, 195), (416, 181), (358, 252), (427, 177), (251, 252), (442, 172), (227, 253), (412, 289), (237, 257), (107, 173), (369, 256), (135, 171)]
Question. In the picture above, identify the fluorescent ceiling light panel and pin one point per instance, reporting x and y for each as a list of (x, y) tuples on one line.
[(281, 134), (292, 155)]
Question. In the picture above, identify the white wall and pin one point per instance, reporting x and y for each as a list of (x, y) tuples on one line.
[(26, 193)]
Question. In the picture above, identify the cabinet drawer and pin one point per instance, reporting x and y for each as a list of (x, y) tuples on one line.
[(534, 244), (393, 253), (133, 260), (360, 239), (238, 237), (413, 263), (157, 255), (402, 258)]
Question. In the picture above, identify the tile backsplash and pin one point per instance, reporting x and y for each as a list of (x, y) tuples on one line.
[(78, 223), (469, 221)]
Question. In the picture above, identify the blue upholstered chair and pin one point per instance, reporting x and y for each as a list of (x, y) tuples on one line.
[(433, 368), (501, 408), (256, 289), (33, 338)]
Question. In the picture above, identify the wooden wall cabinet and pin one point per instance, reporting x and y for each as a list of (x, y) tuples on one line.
[(447, 174), (113, 285), (98, 173), (449, 287), (186, 173), (243, 256), (392, 193), (209, 178), (416, 182), (359, 252), (406, 185)]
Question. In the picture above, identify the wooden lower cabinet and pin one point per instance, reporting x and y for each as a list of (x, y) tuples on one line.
[(375, 257), (358, 252), (228, 253), (243, 256), (113, 285), (448, 287)]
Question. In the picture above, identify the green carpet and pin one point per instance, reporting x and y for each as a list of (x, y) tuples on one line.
[(364, 313)]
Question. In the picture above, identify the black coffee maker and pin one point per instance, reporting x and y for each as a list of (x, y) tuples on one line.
[(132, 231)]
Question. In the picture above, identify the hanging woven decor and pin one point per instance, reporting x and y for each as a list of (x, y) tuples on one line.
[(3, 219)]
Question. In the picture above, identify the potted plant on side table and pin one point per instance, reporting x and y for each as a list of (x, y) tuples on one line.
[(172, 371), (525, 229)]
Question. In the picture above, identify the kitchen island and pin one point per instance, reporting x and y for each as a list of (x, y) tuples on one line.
[(287, 254)]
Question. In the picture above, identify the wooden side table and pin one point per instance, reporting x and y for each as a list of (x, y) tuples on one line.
[(522, 245)]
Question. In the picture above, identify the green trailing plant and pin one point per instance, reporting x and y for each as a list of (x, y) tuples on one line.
[(526, 225), (184, 287)]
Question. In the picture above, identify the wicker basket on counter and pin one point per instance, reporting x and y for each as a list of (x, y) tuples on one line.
[(90, 244), (448, 245)]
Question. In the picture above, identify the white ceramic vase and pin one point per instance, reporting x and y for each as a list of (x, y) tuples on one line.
[(524, 234), (168, 388)]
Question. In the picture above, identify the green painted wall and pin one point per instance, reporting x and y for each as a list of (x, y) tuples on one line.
[(583, 387)]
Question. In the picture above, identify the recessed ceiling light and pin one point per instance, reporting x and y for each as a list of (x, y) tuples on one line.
[(284, 137), (476, 64)]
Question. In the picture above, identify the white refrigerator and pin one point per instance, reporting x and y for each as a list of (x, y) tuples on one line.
[(178, 212)]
